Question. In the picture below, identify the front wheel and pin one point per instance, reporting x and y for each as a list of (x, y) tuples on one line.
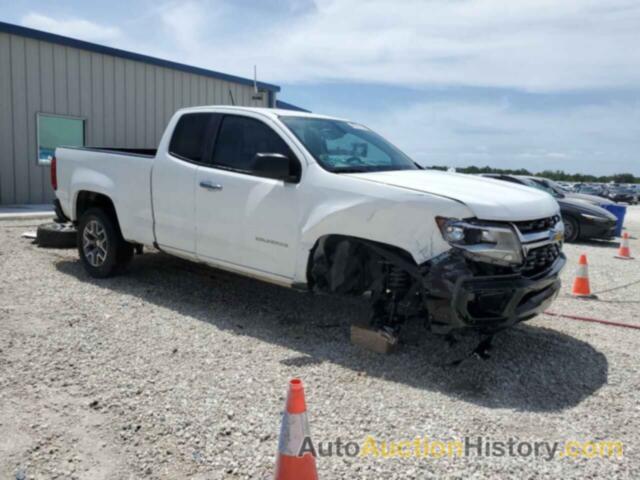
[(571, 229), (102, 249)]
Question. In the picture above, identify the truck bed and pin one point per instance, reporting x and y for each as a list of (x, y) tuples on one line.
[(142, 152), (122, 174)]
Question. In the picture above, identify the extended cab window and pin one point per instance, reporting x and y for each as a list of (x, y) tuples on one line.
[(241, 138), (190, 136)]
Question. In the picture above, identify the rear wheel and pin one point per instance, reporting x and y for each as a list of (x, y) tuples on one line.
[(571, 229), (102, 249)]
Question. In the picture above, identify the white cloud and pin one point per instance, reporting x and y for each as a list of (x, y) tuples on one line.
[(72, 27), (527, 44), (524, 45), (594, 138), (185, 23), (534, 45)]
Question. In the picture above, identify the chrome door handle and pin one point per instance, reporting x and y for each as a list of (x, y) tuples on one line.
[(210, 186)]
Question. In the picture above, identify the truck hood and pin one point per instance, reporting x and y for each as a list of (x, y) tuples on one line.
[(488, 199)]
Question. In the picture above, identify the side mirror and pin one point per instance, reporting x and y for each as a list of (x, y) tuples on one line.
[(278, 166)]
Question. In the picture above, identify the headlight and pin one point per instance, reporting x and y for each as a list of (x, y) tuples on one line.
[(494, 244), (456, 231), (452, 232)]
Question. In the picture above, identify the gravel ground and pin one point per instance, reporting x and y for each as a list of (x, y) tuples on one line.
[(178, 371)]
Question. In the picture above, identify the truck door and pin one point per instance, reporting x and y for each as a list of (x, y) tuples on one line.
[(173, 183), (243, 218)]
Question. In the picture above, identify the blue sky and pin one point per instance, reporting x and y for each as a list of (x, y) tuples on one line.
[(528, 83)]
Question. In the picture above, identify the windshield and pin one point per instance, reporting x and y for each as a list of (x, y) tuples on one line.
[(543, 184), (347, 147), (556, 186), (535, 183)]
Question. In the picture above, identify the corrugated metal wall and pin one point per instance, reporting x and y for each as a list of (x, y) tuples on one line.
[(125, 103)]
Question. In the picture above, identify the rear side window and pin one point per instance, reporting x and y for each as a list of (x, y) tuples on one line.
[(240, 138), (189, 139)]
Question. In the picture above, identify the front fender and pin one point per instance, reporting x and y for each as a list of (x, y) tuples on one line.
[(407, 223)]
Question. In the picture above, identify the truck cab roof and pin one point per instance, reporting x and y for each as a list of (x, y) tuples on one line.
[(270, 112)]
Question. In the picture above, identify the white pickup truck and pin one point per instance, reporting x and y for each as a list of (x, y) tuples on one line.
[(321, 204)]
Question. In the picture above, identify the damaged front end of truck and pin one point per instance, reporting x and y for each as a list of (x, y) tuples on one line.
[(495, 275)]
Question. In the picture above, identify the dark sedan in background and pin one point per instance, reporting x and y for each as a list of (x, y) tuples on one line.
[(559, 192), (620, 194), (582, 220), (596, 190)]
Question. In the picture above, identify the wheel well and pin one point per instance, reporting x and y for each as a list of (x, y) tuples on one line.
[(350, 265), (87, 200)]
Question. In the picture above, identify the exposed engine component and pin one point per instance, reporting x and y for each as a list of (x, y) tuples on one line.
[(347, 266), (393, 298), (450, 292)]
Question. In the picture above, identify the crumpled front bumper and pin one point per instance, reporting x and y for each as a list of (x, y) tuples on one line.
[(459, 298)]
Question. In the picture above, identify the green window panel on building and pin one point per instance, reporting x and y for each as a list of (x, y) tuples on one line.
[(58, 131)]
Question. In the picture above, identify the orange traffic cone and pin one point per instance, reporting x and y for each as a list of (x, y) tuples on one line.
[(295, 429), (581, 286), (624, 253)]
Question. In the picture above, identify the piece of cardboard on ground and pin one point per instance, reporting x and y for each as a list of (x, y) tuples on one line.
[(372, 339)]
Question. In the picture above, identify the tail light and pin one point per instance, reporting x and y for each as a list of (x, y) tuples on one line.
[(54, 174)]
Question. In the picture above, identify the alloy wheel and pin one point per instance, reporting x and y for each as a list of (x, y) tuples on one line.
[(95, 243)]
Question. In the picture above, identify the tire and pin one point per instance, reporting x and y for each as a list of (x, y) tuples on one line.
[(571, 229), (102, 249), (56, 235)]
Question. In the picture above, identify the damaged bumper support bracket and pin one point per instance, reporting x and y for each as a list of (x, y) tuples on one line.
[(452, 292), (457, 299)]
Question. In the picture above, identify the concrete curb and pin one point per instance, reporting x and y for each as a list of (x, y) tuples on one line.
[(26, 216), (26, 211)]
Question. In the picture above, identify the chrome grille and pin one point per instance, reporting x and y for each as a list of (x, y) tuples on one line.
[(540, 225), (541, 258)]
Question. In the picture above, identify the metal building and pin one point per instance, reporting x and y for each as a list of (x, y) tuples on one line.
[(56, 90)]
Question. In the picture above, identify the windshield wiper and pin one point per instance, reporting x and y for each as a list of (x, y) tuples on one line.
[(350, 170)]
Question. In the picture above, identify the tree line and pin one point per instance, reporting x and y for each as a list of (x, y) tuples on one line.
[(551, 174)]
